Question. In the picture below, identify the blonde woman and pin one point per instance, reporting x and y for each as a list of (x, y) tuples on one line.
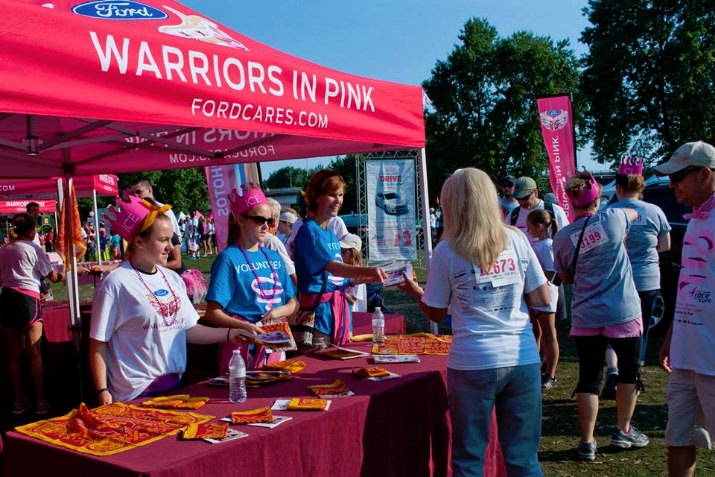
[(486, 272)]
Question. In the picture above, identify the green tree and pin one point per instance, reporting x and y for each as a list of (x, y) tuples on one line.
[(288, 176), (484, 97), (184, 189), (649, 75)]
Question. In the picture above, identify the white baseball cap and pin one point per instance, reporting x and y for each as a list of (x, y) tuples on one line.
[(696, 153), (288, 217), (351, 241)]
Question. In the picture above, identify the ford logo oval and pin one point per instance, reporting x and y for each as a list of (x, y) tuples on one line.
[(119, 10), (554, 112), (161, 292)]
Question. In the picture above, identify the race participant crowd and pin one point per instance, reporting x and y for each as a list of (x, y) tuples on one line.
[(498, 271)]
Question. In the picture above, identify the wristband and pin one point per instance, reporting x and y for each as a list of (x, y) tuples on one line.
[(100, 391), (228, 335)]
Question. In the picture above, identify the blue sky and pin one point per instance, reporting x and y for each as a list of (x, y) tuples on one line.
[(392, 40)]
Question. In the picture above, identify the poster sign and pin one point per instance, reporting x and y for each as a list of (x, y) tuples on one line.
[(391, 209), (556, 120), (221, 181)]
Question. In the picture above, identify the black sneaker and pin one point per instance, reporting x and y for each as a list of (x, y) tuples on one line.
[(634, 438), (587, 450), (609, 388)]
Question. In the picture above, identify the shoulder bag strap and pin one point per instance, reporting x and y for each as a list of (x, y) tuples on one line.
[(578, 246)]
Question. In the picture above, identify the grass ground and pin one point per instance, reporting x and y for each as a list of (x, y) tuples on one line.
[(560, 432)]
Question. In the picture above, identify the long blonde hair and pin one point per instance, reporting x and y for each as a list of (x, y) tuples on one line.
[(473, 223)]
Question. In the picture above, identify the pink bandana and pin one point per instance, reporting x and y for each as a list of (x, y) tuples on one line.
[(703, 211)]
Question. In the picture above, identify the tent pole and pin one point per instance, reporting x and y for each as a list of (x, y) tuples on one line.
[(426, 226), (96, 228)]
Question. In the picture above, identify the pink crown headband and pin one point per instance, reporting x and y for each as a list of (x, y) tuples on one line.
[(250, 197), (130, 217), (585, 196), (631, 165)]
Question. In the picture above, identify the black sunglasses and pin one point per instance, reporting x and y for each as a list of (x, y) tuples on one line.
[(525, 197), (681, 174), (260, 220)]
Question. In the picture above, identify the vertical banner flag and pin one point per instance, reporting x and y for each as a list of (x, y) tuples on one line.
[(557, 128), (69, 206), (221, 181), (391, 209)]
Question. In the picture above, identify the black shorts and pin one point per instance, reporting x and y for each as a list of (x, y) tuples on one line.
[(17, 310)]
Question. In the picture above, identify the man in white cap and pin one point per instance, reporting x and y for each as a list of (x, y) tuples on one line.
[(285, 225), (687, 352), (527, 194)]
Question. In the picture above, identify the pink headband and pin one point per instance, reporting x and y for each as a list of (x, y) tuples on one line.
[(249, 198), (585, 196), (631, 165)]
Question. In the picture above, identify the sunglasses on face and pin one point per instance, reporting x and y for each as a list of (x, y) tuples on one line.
[(526, 197), (260, 220), (682, 174)]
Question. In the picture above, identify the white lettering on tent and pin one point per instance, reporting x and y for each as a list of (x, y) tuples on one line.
[(272, 72), (146, 61), (176, 66), (331, 89), (256, 76), (354, 95), (198, 70), (307, 85), (366, 93), (242, 75), (110, 50)]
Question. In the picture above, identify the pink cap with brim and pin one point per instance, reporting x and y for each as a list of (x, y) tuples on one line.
[(585, 197), (696, 153)]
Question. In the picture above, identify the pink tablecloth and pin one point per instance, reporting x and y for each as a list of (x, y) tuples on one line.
[(56, 322), (396, 427), (394, 324)]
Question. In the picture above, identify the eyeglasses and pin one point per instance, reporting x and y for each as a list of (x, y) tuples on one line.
[(681, 174), (260, 220)]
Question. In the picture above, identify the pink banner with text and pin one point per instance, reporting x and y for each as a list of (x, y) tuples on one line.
[(221, 181), (556, 121)]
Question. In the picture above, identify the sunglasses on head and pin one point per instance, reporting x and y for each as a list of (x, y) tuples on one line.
[(681, 174), (260, 220)]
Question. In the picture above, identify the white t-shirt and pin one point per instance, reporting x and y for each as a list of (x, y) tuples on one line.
[(274, 243), (545, 253), (22, 265), (142, 344), (490, 319), (336, 224), (559, 215), (693, 339), (359, 292), (174, 223)]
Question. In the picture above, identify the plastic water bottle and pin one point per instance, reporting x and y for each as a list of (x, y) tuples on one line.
[(236, 378), (378, 327)]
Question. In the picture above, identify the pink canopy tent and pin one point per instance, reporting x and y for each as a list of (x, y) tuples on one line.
[(104, 185), (90, 87), (11, 207), (95, 87)]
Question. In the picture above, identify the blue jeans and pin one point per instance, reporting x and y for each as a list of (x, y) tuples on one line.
[(651, 307), (516, 393)]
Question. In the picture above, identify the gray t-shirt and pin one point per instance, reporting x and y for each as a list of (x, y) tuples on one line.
[(642, 242), (604, 293)]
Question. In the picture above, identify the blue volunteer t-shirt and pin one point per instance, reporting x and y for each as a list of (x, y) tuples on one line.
[(642, 242), (603, 290), (315, 247), (235, 287)]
